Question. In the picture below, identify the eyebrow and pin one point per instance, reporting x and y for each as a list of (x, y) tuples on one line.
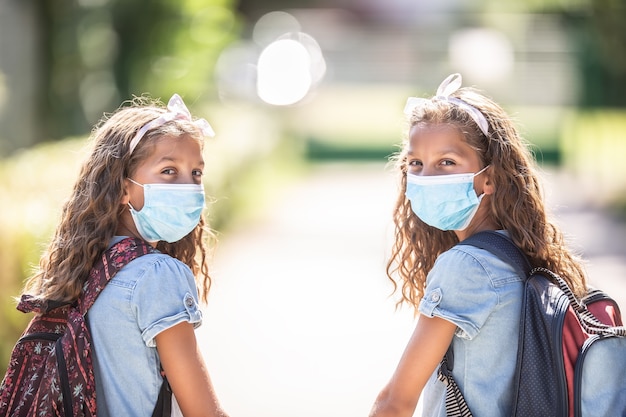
[(174, 160), (444, 152)]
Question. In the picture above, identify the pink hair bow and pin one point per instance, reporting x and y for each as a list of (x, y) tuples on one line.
[(447, 87), (176, 110)]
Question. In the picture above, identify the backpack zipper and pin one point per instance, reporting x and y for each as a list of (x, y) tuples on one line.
[(561, 306), (599, 295)]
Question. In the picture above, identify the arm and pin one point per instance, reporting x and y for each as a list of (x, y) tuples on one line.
[(423, 353), (186, 372)]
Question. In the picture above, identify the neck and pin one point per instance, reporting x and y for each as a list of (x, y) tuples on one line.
[(482, 221), (126, 226)]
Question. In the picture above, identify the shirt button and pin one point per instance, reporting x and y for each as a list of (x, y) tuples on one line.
[(189, 302), (435, 297)]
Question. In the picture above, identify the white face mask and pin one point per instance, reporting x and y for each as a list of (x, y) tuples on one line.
[(170, 211), (447, 202)]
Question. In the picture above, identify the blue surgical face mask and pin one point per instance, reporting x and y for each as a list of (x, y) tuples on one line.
[(447, 202), (170, 211)]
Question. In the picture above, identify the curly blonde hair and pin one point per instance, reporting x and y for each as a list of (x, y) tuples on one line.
[(517, 203), (91, 214)]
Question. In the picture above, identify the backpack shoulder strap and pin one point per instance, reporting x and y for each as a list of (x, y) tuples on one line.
[(112, 260), (503, 247)]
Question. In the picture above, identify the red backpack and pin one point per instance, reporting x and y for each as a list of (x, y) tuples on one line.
[(572, 353), (51, 372)]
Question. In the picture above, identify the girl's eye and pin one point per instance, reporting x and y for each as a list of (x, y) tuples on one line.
[(414, 166), (447, 162), (169, 171), (197, 173)]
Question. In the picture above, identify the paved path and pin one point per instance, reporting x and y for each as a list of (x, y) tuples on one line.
[(300, 323)]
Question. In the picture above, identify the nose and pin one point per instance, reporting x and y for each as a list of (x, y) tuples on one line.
[(186, 179)]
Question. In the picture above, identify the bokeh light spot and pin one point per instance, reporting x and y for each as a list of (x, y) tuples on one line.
[(283, 72), (482, 54)]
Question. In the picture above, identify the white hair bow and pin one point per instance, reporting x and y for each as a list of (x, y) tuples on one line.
[(176, 110), (446, 88)]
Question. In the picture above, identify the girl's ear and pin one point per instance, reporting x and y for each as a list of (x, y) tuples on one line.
[(488, 187), (126, 196)]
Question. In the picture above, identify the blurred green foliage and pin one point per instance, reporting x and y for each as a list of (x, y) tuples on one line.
[(596, 31), (96, 54), (593, 145), (33, 185)]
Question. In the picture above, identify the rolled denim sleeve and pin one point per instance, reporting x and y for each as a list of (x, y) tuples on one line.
[(164, 297), (460, 290)]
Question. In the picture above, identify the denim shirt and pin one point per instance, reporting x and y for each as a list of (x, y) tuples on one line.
[(149, 295), (482, 296)]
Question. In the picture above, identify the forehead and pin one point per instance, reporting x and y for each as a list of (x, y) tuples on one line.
[(180, 147), (436, 137), (173, 141)]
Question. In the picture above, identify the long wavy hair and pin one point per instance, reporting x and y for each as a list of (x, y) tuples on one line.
[(91, 214), (516, 205)]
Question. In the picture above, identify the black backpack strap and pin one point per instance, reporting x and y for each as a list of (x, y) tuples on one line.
[(163, 406), (503, 247)]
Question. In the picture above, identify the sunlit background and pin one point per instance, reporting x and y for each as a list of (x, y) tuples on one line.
[(306, 98)]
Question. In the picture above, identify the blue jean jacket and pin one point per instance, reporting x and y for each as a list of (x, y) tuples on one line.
[(150, 294), (482, 296)]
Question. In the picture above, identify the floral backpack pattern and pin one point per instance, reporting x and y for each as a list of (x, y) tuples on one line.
[(50, 372)]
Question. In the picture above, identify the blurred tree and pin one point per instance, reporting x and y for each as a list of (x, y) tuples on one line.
[(598, 35), (601, 48), (97, 53), (254, 9), (173, 47)]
